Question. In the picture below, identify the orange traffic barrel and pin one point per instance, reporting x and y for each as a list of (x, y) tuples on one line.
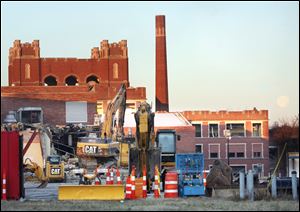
[(128, 188), (171, 185)]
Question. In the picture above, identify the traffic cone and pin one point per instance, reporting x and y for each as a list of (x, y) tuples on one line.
[(133, 183), (118, 177), (128, 188), (144, 183), (111, 176), (107, 177), (4, 197), (204, 179), (156, 183)]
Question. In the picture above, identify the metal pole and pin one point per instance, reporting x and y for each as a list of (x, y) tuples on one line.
[(274, 187), (242, 185), (228, 150), (250, 185), (294, 185)]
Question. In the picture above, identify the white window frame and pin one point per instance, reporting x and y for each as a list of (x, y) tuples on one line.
[(218, 123), (262, 150), (261, 124), (219, 155), (237, 122), (201, 147), (201, 128), (236, 144)]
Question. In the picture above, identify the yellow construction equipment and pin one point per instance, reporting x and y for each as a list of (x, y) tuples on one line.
[(91, 192), (54, 170), (107, 151)]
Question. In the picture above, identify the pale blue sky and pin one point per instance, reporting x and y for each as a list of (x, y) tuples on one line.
[(221, 55)]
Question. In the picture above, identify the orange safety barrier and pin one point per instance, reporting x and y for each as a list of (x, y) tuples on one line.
[(156, 184), (171, 185), (111, 176), (133, 183), (128, 188)]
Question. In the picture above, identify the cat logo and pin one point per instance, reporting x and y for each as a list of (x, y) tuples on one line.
[(55, 171), (90, 149)]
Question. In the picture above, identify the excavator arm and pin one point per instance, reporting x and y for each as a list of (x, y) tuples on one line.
[(38, 171), (110, 128)]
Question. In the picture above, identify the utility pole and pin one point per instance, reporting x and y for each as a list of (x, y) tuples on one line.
[(227, 135)]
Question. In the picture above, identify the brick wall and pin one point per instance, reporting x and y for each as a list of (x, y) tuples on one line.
[(54, 111)]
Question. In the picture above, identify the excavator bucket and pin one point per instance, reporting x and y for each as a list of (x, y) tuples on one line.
[(91, 192)]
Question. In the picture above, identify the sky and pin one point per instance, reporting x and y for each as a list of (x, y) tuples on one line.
[(220, 55)]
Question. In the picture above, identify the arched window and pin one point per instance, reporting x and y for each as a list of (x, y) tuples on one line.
[(71, 80), (50, 81), (92, 78), (27, 71), (115, 71)]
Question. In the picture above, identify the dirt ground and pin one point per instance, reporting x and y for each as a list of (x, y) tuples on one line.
[(182, 204)]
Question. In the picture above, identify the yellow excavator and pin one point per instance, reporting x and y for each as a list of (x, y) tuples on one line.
[(96, 155), (54, 170), (93, 151)]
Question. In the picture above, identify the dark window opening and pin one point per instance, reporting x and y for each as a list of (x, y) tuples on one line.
[(257, 154), (50, 81), (71, 80), (198, 148), (240, 155), (213, 155), (213, 130), (31, 117), (197, 130), (92, 78), (236, 129), (231, 154)]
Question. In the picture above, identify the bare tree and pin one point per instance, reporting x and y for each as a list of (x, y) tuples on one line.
[(285, 132)]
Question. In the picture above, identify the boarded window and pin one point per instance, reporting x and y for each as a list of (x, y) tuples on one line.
[(115, 71), (76, 112), (197, 130), (27, 71)]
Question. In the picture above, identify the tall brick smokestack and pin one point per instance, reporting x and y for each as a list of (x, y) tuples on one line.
[(162, 98)]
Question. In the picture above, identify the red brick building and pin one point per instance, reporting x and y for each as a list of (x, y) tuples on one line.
[(53, 83), (249, 143)]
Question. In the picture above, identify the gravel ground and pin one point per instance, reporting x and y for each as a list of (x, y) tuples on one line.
[(183, 204), (46, 199)]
